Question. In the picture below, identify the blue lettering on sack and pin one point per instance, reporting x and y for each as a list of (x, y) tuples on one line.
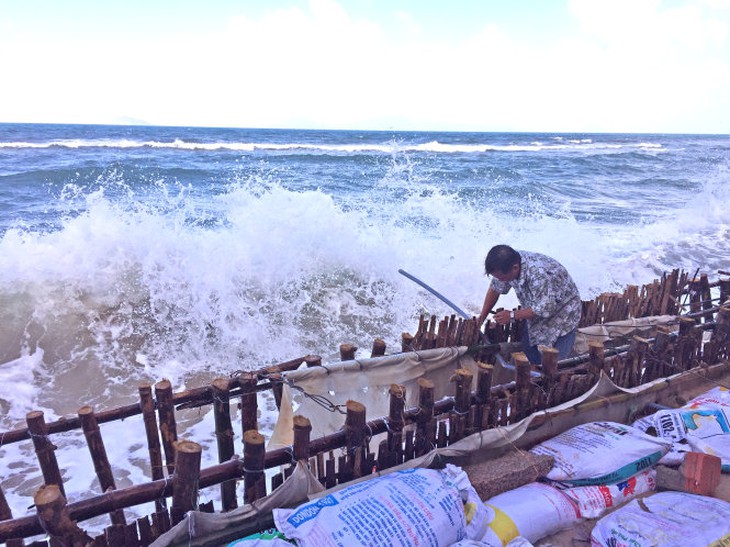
[(311, 510)]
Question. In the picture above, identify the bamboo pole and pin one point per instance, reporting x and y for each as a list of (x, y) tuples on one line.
[(99, 457), (224, 437), (186, 478), (44, 449)]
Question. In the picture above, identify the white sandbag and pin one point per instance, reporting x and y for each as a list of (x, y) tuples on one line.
[(532, 512), (601, 453), (704, 429), (717, 397), (593, 501), (408, 507), (669, 519)]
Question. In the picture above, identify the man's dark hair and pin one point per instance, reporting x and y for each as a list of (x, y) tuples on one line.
[(501, 258)]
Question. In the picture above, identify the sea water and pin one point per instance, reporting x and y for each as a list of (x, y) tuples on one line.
[(133, 254)]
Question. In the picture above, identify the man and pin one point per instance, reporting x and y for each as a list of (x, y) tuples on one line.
[(549, 299)]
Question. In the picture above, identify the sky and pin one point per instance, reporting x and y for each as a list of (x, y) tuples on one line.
[(655, 66)]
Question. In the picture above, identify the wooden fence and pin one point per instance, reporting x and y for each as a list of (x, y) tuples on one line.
[(175, 463)]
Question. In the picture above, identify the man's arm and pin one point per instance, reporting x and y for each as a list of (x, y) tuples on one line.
[(490, 299)]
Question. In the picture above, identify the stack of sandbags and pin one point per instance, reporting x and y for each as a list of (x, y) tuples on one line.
[(702, 425)]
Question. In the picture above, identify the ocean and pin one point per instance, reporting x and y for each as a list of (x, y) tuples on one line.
[(132, 254)]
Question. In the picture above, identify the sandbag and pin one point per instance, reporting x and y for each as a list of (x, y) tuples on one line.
[(669, 519), (531, 512), (408, 507), (601, 453), (594, 500), (702, 426)]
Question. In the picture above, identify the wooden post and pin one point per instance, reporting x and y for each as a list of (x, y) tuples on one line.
[(254, 453), (483, 394), (7, 514), (347, 352), (549, 366), (249, 402), (147, 405), (378, 348), (168, 426), (463, 379), (396, 422), (724, 290), (302, 432), (185, 479), (425, 426), (355, 432), (224, 437), (99, 457), (597, 353), (50, 505), (718, 346), (44, 449), (406, 342), (313, 361), (706, 296), (523, 386)]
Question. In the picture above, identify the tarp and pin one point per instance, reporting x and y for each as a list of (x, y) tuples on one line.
[(366, 381), (620, 330)]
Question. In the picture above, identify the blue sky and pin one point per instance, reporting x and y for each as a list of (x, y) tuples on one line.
[(480, 65)]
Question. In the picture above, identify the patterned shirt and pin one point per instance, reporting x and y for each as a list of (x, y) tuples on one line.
[(545, 286)]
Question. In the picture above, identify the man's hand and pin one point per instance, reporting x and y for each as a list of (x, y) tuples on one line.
[(502, 317)]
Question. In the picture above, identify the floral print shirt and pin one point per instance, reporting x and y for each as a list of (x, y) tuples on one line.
[(545, 286)]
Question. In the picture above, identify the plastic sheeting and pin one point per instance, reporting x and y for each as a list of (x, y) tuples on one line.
[(366, 381)]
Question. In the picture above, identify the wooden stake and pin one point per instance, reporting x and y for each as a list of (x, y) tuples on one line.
[(168, 426), (355, 431), (50, 504), (313, 361), (425, 426), (396, 421), (224, 437), (7, 514), (147, 405), (302, 432), (347, 352), (378, 348), (249, 402), (44, 449), (185, 480), (99, 457), (253, 464)]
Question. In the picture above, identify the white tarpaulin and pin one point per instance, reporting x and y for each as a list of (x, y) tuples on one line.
[(366, 381)]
